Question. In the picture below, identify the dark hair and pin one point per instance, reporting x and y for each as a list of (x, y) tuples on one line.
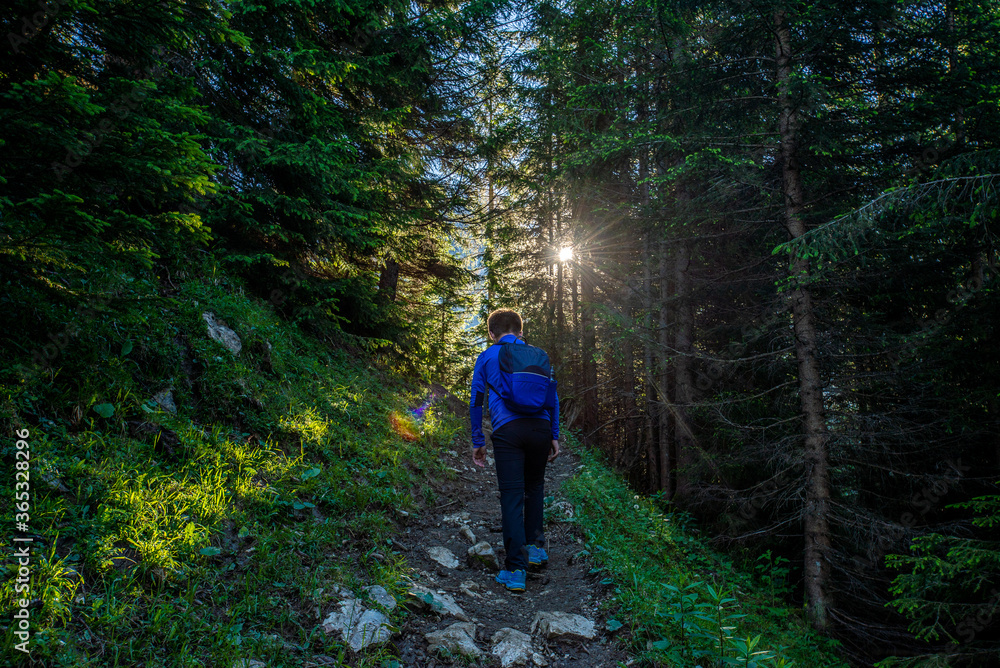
[(504, 321)]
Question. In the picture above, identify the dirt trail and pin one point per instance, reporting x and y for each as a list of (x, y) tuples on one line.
[(564, 585)]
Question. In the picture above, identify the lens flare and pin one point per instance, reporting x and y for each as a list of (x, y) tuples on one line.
[(418, 412), (565, 254), (408, 425), (403, 425)]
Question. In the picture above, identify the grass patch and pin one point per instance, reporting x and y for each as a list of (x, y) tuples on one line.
[(222, 531), (676, 602)]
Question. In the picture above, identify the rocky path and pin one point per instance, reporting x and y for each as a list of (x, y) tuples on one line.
[(462, 612)]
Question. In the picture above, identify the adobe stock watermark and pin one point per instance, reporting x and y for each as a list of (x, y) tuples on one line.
[(976, 622), (22, 542), (959, 298), (293, 277), (121, 108), (125, 104), (760, 496), (925, 500), (290, 279), (33, 24), (736, 350), (929, 157)]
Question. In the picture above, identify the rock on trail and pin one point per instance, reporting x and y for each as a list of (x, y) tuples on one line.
[(511, 646), (218, 331), (380, 596), (482, 554), (443, 556), (359, 627), (438, 601), (457, 639), (563, 625)]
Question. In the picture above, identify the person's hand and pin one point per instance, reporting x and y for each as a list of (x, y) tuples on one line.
[(479, 456), (554, 450)]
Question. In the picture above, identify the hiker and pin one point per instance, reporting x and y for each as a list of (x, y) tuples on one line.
[(525, 438)]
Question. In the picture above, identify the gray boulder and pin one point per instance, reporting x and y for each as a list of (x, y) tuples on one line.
[(457, 519), (359, 627), (218, 331), (380, 596), (482, 554), (443, 556), (562, 508), (443, 604), (563, 625), (165, 400), (458, 639), (512, 647)]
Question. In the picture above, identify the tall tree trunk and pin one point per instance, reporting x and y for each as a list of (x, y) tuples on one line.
[(550, 294), (815, 516), (441, 355), (683, 364), (560, 298), (652, 467), (666, 461), (574, 282), (575, 338), (649, 370), (488, 259), (550, 222), (628, 378), (994, 413), (588, 340), (388, 279)]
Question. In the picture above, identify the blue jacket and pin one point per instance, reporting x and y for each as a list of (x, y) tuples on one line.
[(486, 374)]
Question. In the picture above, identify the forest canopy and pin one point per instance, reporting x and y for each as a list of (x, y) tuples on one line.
[(758, 241)]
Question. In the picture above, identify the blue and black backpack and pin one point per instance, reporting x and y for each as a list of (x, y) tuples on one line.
[(526, 382)]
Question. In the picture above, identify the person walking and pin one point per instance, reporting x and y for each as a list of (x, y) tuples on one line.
[(525, 438)]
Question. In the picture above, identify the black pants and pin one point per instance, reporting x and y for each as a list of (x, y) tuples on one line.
[(521, 449)]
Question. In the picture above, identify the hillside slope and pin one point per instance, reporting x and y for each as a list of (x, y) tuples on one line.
[(210, 486), (191, 505)]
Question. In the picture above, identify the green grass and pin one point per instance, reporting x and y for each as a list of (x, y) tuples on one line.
[(223, 531), (676, 602)]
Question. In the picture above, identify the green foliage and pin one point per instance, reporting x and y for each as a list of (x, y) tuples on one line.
[(772, 571), (303, 155), (681, 602), (958, 192), (948, 587)]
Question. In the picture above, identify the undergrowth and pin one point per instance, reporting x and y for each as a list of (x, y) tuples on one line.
[(222, 531), (676, 602)]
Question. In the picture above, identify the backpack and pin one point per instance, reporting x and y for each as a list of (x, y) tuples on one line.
[(526, 382)]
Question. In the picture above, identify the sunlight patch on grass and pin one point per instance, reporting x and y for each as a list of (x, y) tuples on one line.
[(214, 533)]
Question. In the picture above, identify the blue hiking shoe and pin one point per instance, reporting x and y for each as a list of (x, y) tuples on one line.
[(537, 556), (513, 581)]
